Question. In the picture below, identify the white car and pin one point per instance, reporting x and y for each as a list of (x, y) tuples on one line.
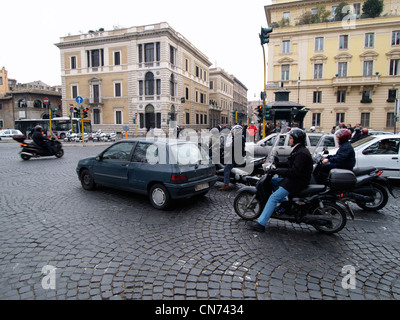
[(380, 151), (8, 133), (283, 149)]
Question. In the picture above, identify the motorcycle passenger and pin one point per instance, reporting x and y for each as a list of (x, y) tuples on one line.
[(41, 140), (237, 156), (345, 157), (295, 177)]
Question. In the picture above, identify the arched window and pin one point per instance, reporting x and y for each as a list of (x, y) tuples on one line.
[(22, 103), (150, 118), (37, 104), (172, 85), (149, 84)]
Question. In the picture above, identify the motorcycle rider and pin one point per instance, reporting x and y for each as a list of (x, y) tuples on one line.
[(296, 176), (41, 140), (234, 161), (345, 157)]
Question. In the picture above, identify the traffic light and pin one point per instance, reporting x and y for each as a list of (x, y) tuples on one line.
[(267, 113), (77, 113), (260, 112), (85, 112), (234, 115), (264, 35), (53, 113)]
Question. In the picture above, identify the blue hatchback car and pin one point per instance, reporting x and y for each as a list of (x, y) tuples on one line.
[(163, 169)]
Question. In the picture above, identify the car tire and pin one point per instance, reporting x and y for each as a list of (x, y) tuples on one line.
[(87, 181), (159, 197)]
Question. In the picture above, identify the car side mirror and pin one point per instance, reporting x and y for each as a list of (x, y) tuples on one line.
[(99, 158)]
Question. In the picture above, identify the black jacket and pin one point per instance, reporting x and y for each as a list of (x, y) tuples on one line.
[(345, 157), (297, 174), (39, 139)]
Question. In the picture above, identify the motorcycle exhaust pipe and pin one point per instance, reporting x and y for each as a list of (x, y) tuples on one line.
[(360, 197), (27, 154)]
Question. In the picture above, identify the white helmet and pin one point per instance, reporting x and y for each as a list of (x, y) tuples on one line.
[(237, 129)]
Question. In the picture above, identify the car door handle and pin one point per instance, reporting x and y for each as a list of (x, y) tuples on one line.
[(124, 164), (395, 158)]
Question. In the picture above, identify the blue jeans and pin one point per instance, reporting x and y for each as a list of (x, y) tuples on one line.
[(227, 172), (278, 196)]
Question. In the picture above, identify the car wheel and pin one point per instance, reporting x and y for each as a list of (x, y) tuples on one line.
[(159, 197), (87, 181)]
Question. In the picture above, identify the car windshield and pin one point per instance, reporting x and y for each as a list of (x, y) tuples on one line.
[(187, 154), (361, 142)]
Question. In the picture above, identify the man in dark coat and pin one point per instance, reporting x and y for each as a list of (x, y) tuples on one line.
[(41, 140), (295, 177)]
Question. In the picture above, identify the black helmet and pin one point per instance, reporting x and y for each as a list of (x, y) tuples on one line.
[(299, 136)]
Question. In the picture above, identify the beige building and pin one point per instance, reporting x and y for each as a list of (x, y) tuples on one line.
[(221, 94), (343, 71), (136, 76), (239, 100)]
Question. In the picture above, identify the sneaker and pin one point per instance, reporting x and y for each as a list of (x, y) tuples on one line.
[(225, 187), (254, 225)]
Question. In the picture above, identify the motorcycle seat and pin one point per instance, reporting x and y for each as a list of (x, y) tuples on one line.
[(363, 170), (312, 189)]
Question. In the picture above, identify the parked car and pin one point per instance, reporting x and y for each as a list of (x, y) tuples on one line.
[(380, 151), (283, 149), (163, 169), (9, 133)]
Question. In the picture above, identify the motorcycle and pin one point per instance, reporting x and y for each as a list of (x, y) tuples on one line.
[(317, 205), (32, 150), (70, 136), (371, 191)]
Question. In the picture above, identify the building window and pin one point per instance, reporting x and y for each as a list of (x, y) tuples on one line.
[(171, 54), (95, 58), (316, 119), (118, 117), (339, 118), (285, 72), (117, 58), (365, 119), (368, 65), (396, 38), (357, 8), (96, 116), (187, 116), (187, 93), (149, 84), (342, 71), (149, 52), (158, 82), (390, 120), (73, 62), (172, 85), (319, 44), (341, 96), (186, 65), (394, 67), (158, 51), (344, 42), (140, 53), (197, 71), (285, 46), (74, 91), (369, 40), (117, 89), (317, 96), (392, 94), (318, 71)]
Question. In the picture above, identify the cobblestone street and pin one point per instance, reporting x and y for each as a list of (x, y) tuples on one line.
[(108, 244)]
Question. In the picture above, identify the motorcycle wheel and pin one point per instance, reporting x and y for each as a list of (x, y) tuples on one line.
[(25, 157), (333, 212), (247, 206), (381, 198), (60, 153)]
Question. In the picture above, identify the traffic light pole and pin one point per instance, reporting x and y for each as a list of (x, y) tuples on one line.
[(83, 134), (265, 90)]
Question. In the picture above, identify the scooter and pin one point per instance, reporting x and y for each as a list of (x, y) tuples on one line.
[(32, 150), (316, 206), (371, 190)]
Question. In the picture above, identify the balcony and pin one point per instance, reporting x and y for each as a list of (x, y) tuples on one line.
[(373, 80), (94, 100)]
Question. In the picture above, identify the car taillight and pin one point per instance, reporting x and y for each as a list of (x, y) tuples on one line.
[(23, 145), (180, 178), (379, 173)]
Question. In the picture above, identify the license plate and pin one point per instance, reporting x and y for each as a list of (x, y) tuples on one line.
[(201, 186)]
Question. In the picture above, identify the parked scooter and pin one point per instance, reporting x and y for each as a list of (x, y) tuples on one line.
[(241, 174), (371, 191), (70, 136), (32, 150)]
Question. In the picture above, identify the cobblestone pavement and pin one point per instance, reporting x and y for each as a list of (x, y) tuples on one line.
[(108, 244)]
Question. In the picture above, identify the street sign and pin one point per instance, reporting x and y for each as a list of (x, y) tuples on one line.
[(46, 101), (79, 99)]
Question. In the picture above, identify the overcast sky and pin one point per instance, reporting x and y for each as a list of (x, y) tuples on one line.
[(226, 31)]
